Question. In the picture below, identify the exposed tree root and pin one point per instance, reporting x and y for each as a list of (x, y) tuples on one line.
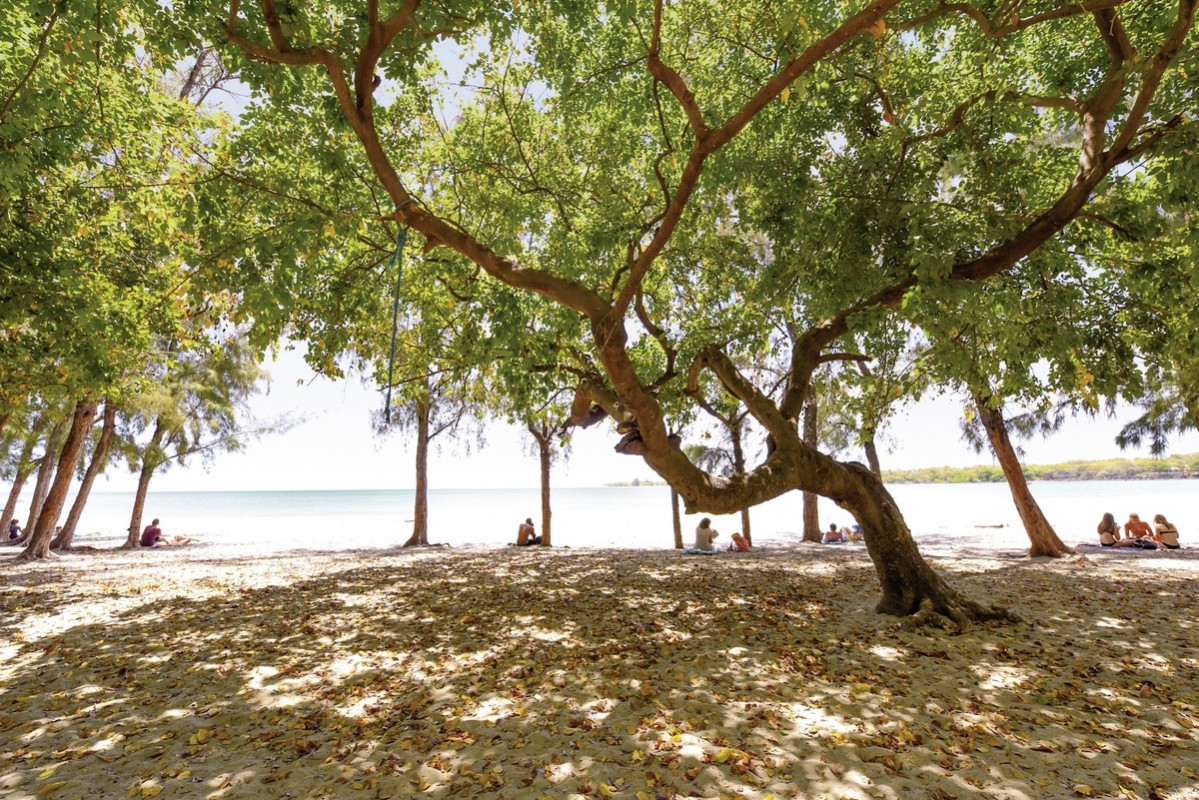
[(1035, 552), (29, 558), (955, 616)]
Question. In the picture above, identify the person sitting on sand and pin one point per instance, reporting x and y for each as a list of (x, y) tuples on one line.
[(152, 537), (526, 534), (1136, 527), (855, 533), (1109, 533), (832, 535), (739, 544), (1164, 532), (704, 534), (1138, 533), (14, 529)]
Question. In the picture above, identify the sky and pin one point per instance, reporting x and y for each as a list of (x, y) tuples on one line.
[(334, 448)]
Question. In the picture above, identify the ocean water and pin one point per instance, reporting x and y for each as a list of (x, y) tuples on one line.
[(635, 517)]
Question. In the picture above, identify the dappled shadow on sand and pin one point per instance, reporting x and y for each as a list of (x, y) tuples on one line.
[(533, 673)]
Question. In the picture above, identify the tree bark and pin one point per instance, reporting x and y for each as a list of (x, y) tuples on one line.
[(811, 507), (45, 474), (420, 516), (150, 461), (65, 539), (1043, 538), (676, 519), (68, 459)]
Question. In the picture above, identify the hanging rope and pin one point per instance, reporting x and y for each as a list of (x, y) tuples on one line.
[(398, 258)]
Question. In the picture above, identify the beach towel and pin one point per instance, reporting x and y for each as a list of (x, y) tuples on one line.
[(695, 551)]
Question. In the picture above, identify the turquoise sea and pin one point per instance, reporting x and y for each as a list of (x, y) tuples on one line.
[(637, 517)]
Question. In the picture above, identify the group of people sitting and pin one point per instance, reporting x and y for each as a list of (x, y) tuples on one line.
[(1138, 533), (842, 535)]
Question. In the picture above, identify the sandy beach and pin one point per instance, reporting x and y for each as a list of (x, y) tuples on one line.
[(571, 673)]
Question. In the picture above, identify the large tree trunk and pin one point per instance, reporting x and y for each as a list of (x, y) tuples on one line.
[(151, 458), (909, 585), (676, 519), (45, 475), (420, 516), (68, 459), (64, 540), (1043, 537), (811, 507)]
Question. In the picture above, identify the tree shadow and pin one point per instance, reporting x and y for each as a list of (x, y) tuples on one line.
[(519, 674)]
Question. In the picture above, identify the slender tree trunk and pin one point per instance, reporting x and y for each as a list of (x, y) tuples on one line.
[(68, 459), (872, 456), (45, 474), (25, 467), (868, 445), (811, 507), (64, 540), (11, 506), (739, 468), (545, 452), (420, 516), (1043, 538), (676, 519), (151, 458)]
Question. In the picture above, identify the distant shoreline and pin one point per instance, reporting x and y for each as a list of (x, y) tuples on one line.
[(1178, 467)]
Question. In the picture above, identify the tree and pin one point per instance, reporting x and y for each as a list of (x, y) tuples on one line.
[(544, 434), (195, 408), (632, 161), (1041, 535), (63, 541), (64, 472)]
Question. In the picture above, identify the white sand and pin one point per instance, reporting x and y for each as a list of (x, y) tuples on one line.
[(527, 673)]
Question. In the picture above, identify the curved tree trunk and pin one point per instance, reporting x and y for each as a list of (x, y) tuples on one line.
[(151, 458), (1043, 538), (811, 507), (420, 516), (676, 519), (45, 475), (64, 539), (909, 585), (68, 459)]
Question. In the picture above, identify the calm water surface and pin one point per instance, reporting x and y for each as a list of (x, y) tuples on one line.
[(614, 517)]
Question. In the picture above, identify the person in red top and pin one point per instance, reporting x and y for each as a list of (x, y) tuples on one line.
[(152, 535)]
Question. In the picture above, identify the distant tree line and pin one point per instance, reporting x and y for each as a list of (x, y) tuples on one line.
[(1114, 469)]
